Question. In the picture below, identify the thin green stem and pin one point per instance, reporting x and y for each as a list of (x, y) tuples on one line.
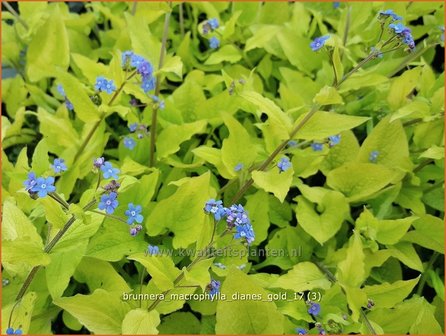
[(409, 58), (422, 283), (48, 249), (109, 216), (135, 4), (157, 90), (180, 7), (346, 29), (16, 15), (59, 200), (333, 279)]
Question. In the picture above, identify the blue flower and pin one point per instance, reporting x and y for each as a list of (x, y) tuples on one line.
[(31, 181), (108, 171), (219, 265), (102, 84), (10, 331), (136, 60), (398, 28), (245, 231), (129, 142), (61, 90), (301, 331), (148, 84), (216, 208), (317, 147), (145, 69), (44, 186), (98, 162), (283, 164), (214, 43), (373, 157), (133, 127), (133, 214), (336, 4), (153, 250), (389, 13), (69, 105), (334, 140), (18, 332), (214, 287), (59, 165), (314, 309), (236, 215), (126, 56), (213, 23), (238, 167), (108, 203), (292, 143), (319, 42)]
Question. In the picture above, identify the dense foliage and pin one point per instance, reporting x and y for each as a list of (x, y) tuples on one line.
[(230, 168)]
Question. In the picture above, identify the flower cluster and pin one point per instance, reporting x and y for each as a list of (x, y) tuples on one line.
[(319, 42), (210, 25), (403, 33), (214, 287), (39, 185), (130, 60), (314, 308), (236, 217), (140, 130), (284, 164), (61, 91), (11, 331), (108, 200), (102, 84)]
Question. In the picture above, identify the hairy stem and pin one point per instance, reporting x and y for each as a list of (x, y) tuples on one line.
[(110, 216), (16, 15), (157, 90)]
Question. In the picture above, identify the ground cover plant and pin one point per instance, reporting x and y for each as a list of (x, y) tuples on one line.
[(229, 168)]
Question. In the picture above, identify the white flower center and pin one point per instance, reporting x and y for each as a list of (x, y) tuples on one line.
[(43, 186), (133, 213), (108, 202)]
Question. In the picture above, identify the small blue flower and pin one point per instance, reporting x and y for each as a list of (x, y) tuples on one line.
[(133, 214), (44, 186), (10, 331), (108, 171), (390, 13), (102, 84), (108, 203), (216, 208), (336, 4), (69, 105), (397, 28), (18, 332), (301, 331), (238, 167), (148, 84), (59, 165), (334, 140), (317, 147), (214, 43), (129, 142), (136, 60), (61, 90), (373, 157), (284, 164), (153, 250), (145, 69), (319, 42), (133, 127), (213, 23), (126, 56), (219, 265), (292, 143), (314, 309), (236, 215), (31, 181), (245, 231), (214, 287), (98, 162)]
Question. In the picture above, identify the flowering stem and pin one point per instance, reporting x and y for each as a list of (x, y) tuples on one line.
[(96, 125), (157, 90), (332, 278), (48, 249), (410, 58), (59, 200)]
